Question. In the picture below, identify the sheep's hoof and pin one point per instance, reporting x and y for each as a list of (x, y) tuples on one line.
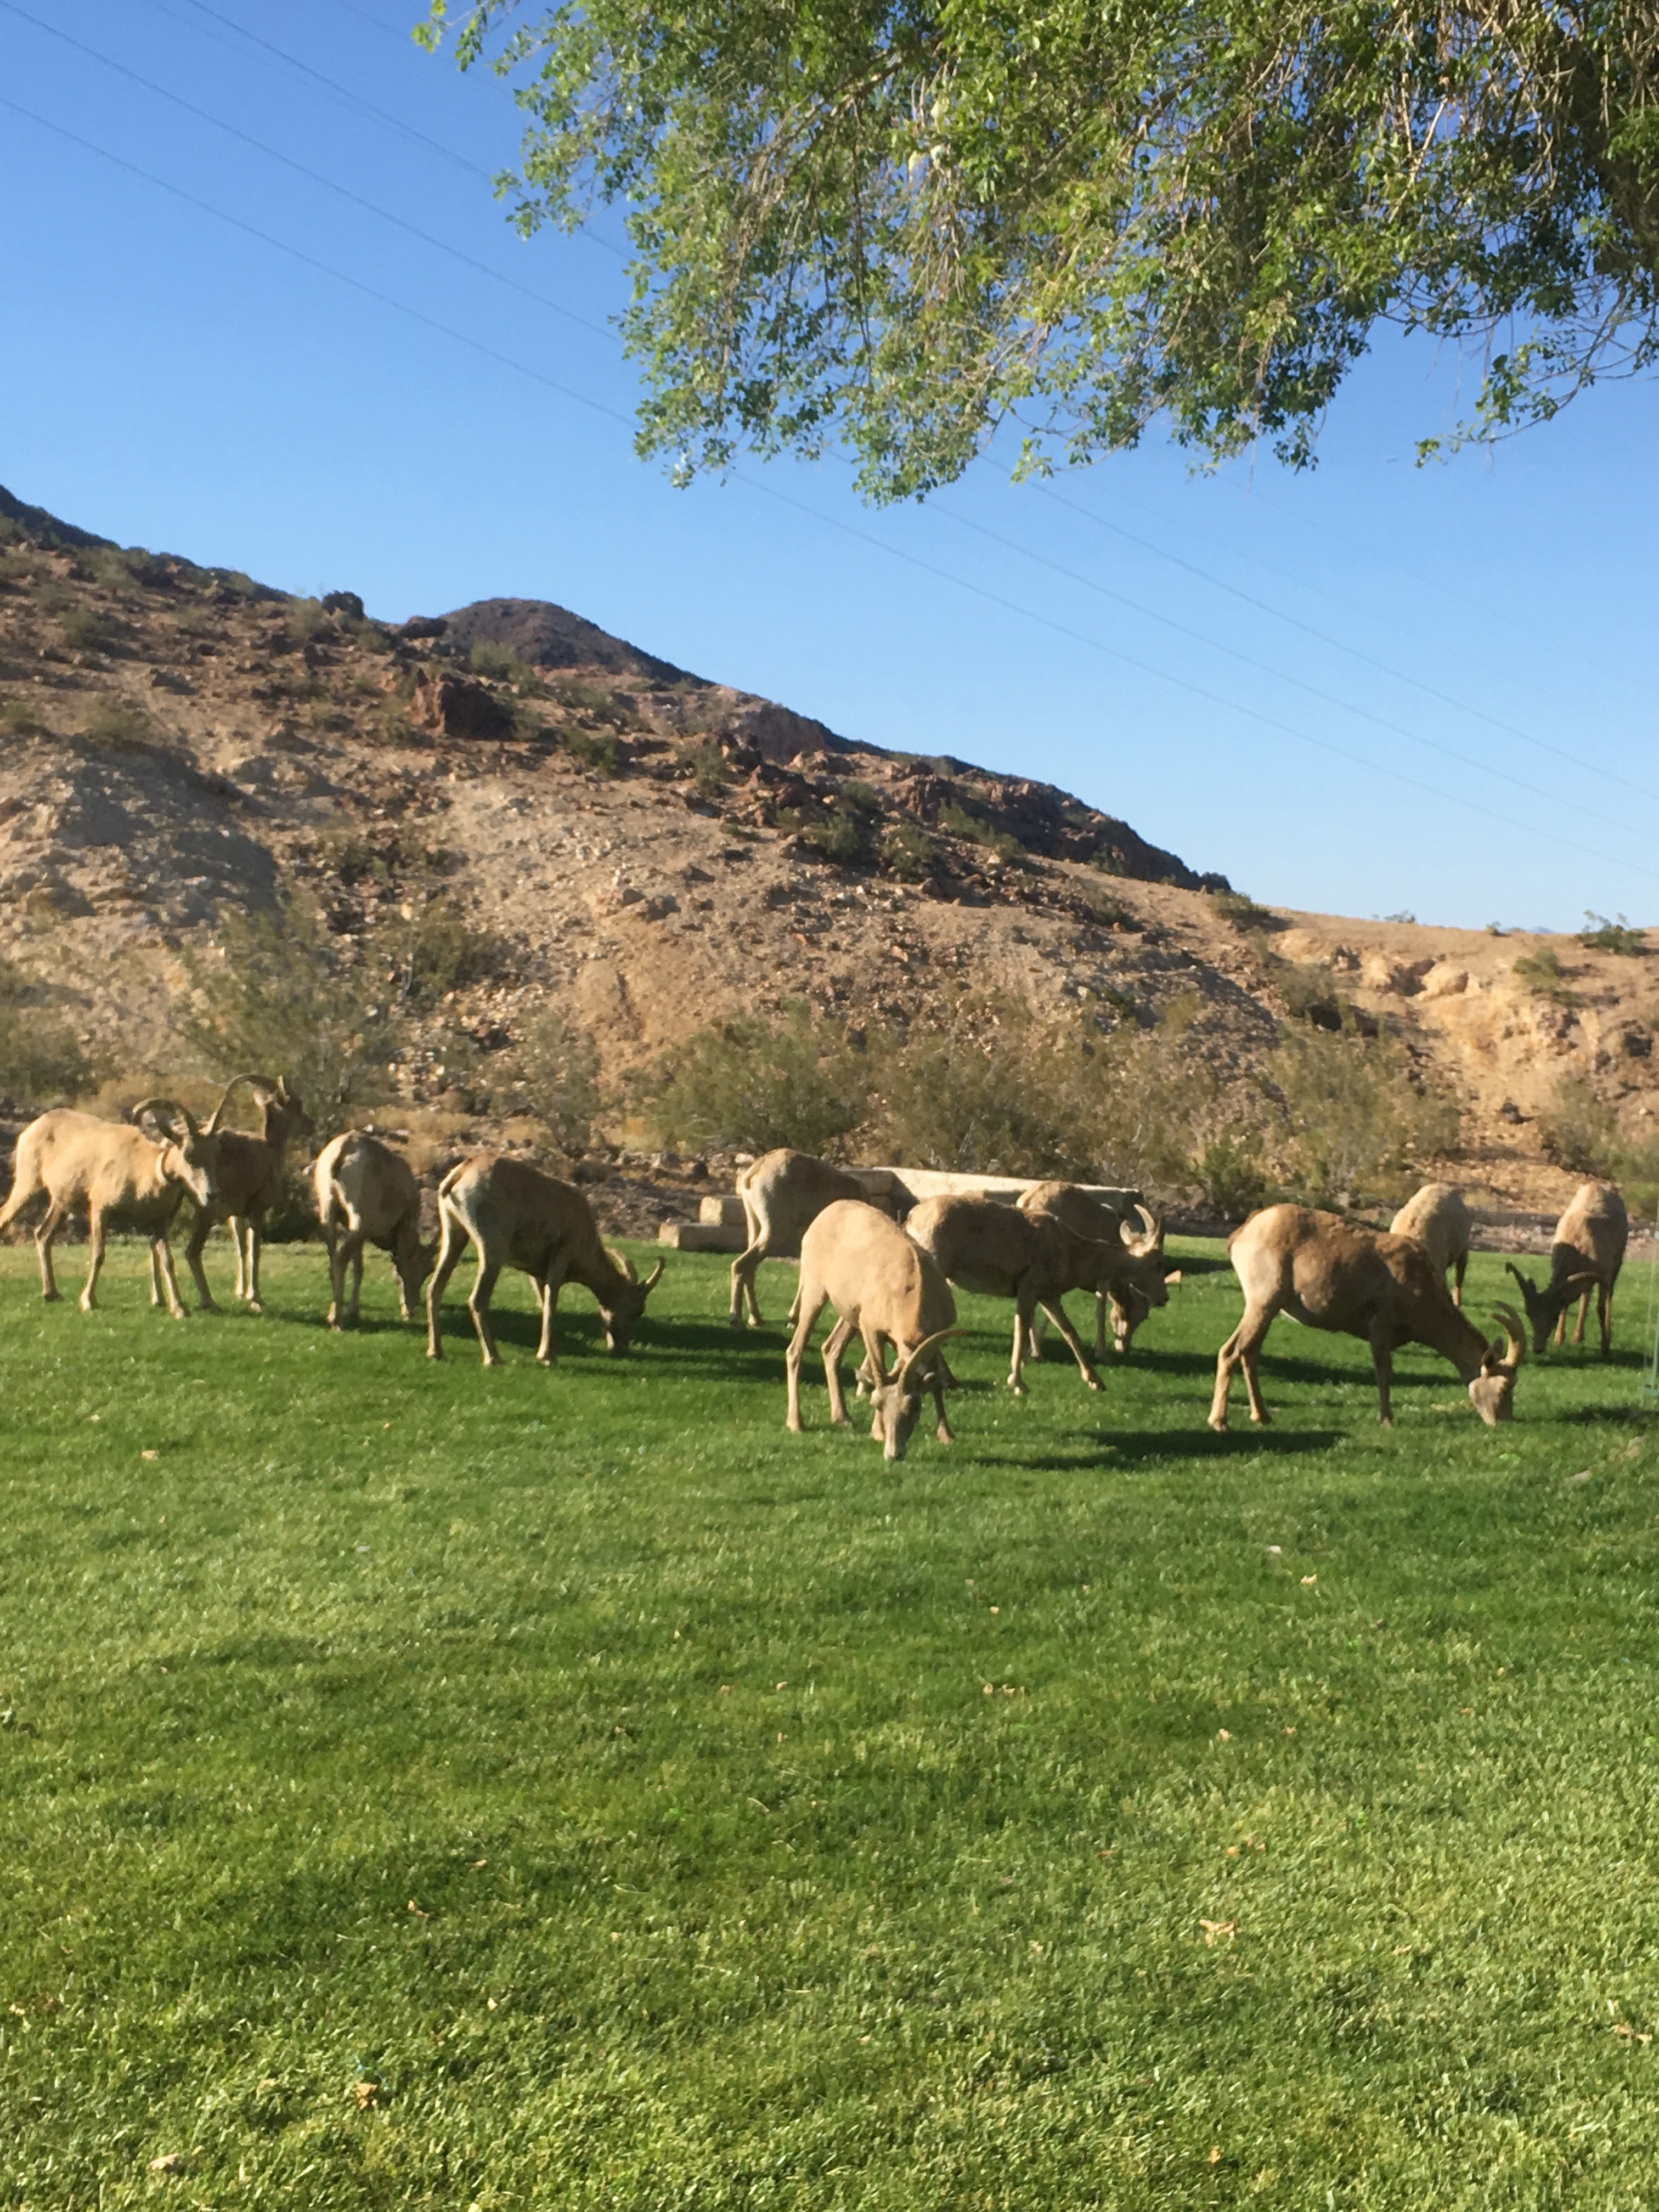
[(256, 1305), (840, 1421), (52, 1297), (1092, 1380), (1218, 1423), (433, 1352), (945, 1433)]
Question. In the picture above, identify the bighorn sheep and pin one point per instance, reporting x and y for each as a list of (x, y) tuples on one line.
[(110, 1171), (250, 1184), (1099, 1215), (1439, 1218), (520, 1217), (889, 1290), (1329, 1274), (365, 1194), (1586, 1255), (1034, 1259), (783, 1193)]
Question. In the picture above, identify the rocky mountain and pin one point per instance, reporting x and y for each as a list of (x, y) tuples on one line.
[(653, 850)]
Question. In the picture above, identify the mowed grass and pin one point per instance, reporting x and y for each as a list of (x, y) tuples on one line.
[(425, 1786)]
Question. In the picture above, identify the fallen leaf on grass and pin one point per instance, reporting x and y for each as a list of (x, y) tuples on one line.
[(151, 1454), (1630, 2034), (170, 2161), (1582, 1475), (1224, 1736), (1215, 1928), (1308, 1581), (417, 1911), (1215, 2154), (367, 2094)]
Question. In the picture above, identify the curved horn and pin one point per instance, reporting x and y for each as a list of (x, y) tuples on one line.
[(654, 1277), (1141, 1243), (1509, 1268), (1515, 1350), (255, 1082), (624, 1265), (161, 1109), (902, 1376)]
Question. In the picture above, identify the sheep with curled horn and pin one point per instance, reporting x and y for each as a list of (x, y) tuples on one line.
[(517, 1216), (1329, 1273), (249, 1182), (1586, 1255), (138, 1172), (1126, 1289), (887, 1290)]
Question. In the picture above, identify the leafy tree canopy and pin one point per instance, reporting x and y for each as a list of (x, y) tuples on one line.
[(904, 224)]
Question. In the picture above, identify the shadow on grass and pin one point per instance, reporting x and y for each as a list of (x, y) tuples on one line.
[(1113, 1451)]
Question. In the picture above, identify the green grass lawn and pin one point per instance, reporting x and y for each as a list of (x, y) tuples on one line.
[(659, 1810)]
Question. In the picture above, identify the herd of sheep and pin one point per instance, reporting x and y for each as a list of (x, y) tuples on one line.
[(889, 1283)]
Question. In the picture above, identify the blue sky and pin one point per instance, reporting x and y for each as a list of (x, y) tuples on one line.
[(1369, 689)]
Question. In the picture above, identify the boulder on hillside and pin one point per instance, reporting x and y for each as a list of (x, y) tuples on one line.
[(455, 706), (548, 636)]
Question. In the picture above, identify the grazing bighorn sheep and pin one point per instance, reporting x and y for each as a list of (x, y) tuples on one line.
[(1327, 1274), (520, 1217), (1437, 1217), (783, 1193), (1034, 1259), (888, 1290), (250, 1184), (365, 1194), (110, 1171), (1099, 1216), (1586, 1255)]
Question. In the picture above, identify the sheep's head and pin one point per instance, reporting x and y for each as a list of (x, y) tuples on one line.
[(621, 1315), (1544, 1307), (414, 1259), (896, 1399), (1492, 1390), (190, 1155)]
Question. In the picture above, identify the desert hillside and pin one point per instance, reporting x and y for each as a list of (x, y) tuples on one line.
[(655, 851)]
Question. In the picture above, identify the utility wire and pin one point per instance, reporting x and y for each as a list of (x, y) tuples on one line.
[(356, 99), (786, 499), (1323, 637), (315, 176), (1266, 668)]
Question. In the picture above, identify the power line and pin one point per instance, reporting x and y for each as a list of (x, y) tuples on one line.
[(1369, 660), (302, 169), (770, 491), (355, 98), (1265, 668)]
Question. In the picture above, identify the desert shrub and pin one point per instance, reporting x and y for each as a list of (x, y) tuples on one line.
[(864, 796), (117, 724), (710, 770), (559, 1072), (910, 853), (276, 996), (983, 1087), (1578, 1130), (41, 1064), (436, 949), (490, 659), (1308, 993), (595, 748), (1242, 912), (19, 718), (87, 630), (756, 1085), (1542, 973), (1356, 1123), (962, 822), (307, 619), (1230, 1172), (842, 833), (1601, 935)]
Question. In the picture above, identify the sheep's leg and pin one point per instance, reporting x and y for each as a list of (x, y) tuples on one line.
[(1056, 1312), (1583, 1316), (1240, 1352), (205, 1218), (157, 1296), (745, 1268), (814, 1298), (358, 1244), (943, 1430), (1035, 1334), (250, 1236), (335, 1275), (161, 1255), (550, 1286), (95, 1261), (1381, 1334), (1561, 1324), (1604, 1315), (1101, 1302), (834, 1345), (477, 1304), (455, 1244), (55, 1216), (234, 1223), (1459, 1266), (1017, 1357)]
